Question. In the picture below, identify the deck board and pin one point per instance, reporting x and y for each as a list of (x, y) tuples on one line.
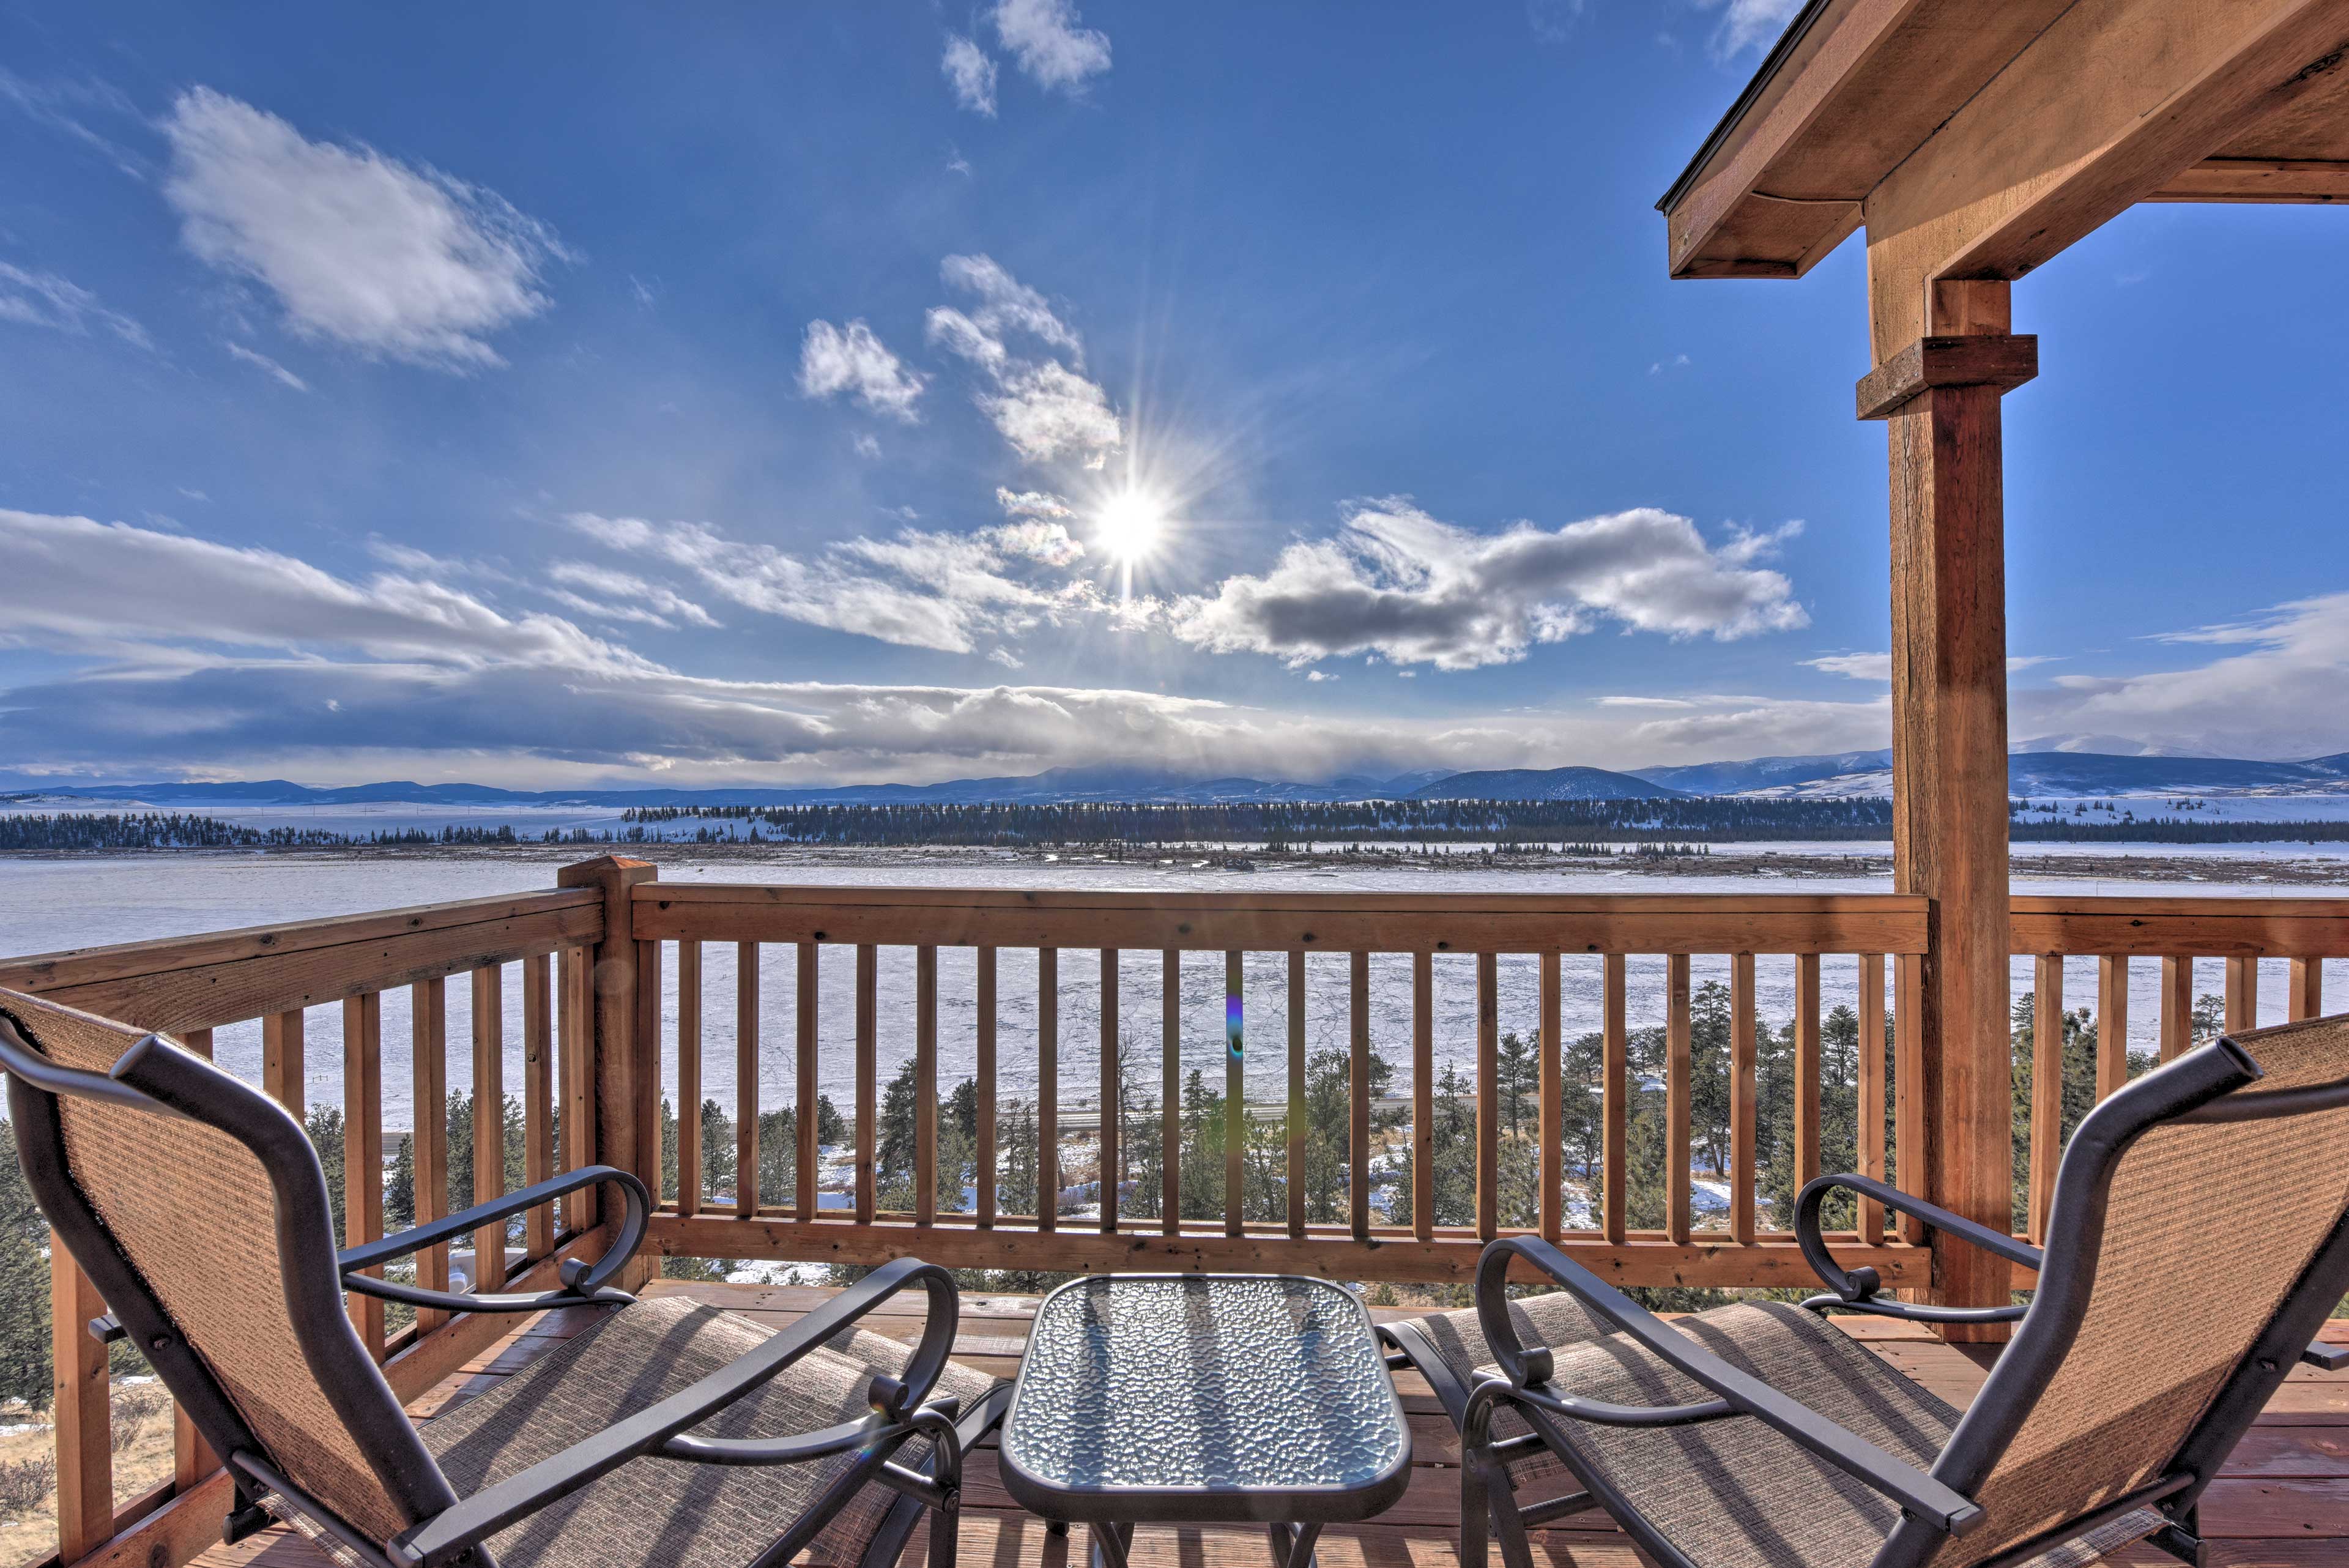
[(2282, 1503)]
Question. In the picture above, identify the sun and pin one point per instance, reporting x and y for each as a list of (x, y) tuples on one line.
[(1130, 525)]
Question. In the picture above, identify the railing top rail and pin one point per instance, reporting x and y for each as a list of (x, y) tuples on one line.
[(2126, 926), (1407, 921), (201, 982)]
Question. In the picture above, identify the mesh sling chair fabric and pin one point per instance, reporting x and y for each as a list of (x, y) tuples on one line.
[(1448, 1349), (2200, 1234), (260, 1353)]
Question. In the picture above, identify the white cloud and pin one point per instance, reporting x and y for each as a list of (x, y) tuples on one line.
[(1006, 657), (44, 299), (264, 363), (1044, 38), (916, 588), (970, 72), (57, 105), (608, 595), (110, 587), (1044, 407), (865, 444), (1746, 23), (852, 360), (1552, 21), (1677, 363), (394, 260), (1400, 584)]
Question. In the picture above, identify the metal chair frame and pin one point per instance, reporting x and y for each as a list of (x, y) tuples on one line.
[(159, 1078)]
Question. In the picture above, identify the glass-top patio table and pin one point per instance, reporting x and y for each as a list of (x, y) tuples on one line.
[(1185, 1398)]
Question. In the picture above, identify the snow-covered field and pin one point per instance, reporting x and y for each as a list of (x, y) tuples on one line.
[(51, 903)]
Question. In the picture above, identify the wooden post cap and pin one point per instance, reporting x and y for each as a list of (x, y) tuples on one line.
[(2005, 360)]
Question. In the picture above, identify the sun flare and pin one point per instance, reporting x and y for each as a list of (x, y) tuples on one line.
[(1130, 525)]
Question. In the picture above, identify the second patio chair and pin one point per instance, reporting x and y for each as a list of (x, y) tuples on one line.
[(664, 1433), (2197, 1242)]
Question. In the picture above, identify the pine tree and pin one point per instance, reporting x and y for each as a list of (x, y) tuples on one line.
[(399, 1192)]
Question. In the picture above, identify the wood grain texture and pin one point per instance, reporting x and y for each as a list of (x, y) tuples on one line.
[(1048, 1088), (1615, 1064), (2177, 1007), (613, 958), (926, 1086), (868, 1074), (537, 1098), (489, 1020), (807, 1043), (1296, 1164), (1488, 1097), (1806, 1068), (1950, 800), (1358, 1093), (1551, 1117), (692, 1164), (984, 1159), (1112, 1170), (748, 982), (429, 1024), (1236, 1117), (1423, 1097), (1678, 1071), (1742, 1152), (2112, 1023), (1872, 1105), (1366, 922), (2047, 1092), (81, 1417), (363, 1149), (1170, 1090)]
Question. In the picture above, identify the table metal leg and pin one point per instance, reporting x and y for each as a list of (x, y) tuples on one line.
[(1109, 1544), (1292, 1544)]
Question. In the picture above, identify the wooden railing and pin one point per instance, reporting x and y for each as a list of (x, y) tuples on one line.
[(673, 922), (604, 978)]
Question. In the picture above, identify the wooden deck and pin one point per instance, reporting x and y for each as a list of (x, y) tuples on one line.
[(2283, 1500)]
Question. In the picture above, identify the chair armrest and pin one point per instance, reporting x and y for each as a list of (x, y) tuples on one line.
[(441, 1539), (2325, 1357), (1937, 1504), (1855, 1289), (582, 1281)]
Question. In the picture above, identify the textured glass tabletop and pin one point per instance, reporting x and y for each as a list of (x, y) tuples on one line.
[(1203, 1387)]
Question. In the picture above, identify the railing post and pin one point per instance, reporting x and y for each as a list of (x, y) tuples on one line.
[(79, 1406), (620, 1063)]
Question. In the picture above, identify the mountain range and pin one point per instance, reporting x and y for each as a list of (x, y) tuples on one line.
[(2031, 774)]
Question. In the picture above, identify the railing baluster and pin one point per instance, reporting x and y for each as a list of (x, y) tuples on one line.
[(281, 1060), (1677, 1073), (1908, 1085), (1615, 1067), (804, 997), (2046, 1087), (1807, 1074), (2177, 1007), (1488, 1095), (1048, 1088), (191, 1458), (1297, 1092), (926, 1085), (2304, 996), (1551, 1117), (2112, 1022), (363, 1149), (537, 1099), (82, 1418), (746, 1079), (1357, 1093), (868, 1089), (2242, 993), (578, 1030), (1170, 1091), (1235, 1096), (1740, 1096), (1870, 1139), (983, 1158), (1107, 1140), (489, 1123), (428, 1026), (1423, 1094), (691, 1166)]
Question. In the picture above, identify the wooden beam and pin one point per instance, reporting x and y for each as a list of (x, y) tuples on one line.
[(2305, 180), (84, 1484), (2107, 106), (1948, 793), (2002, 363)]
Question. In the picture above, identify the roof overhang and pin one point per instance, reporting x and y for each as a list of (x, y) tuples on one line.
[(1854, 88)]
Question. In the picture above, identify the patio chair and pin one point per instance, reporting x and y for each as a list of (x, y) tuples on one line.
[(663, 1433), (2197, 1241)]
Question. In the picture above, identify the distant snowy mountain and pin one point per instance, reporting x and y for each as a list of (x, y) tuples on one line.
[(1764, 774), (1544, 783)]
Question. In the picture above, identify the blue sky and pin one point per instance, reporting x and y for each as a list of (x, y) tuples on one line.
[(554, 395)]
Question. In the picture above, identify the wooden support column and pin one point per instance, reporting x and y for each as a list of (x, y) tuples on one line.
[(620, 1065), (1939, 396)]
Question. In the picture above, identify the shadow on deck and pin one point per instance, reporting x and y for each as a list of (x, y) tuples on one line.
[(2282, 1502)]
